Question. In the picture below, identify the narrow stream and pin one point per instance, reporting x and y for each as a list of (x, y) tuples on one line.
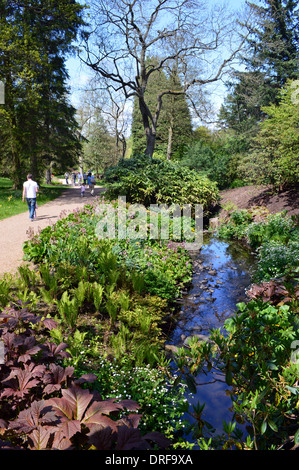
[(222, 272)]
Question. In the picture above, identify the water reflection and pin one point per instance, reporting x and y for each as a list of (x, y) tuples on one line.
[(222, 272)]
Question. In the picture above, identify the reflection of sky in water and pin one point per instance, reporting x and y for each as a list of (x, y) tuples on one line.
[(218, 284)]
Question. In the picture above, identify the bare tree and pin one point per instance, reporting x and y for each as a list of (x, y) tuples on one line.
[(127, 33)]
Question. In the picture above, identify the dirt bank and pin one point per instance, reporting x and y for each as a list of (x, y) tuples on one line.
[(249, 196)]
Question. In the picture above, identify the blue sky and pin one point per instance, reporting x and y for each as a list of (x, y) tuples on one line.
[(80, 74)]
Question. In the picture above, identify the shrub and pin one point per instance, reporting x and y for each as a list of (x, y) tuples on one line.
[(213, 164), (43, 405), (159, 182), (276, 259), (236, 226), (257, 353)]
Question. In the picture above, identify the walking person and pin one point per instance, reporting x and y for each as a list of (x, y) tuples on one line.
[(66, 178), (82, 190), (30, 191), (92, 183)]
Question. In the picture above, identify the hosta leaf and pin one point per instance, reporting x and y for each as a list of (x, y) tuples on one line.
[(70, 428), (128, 438), (78, 400), (99, 408), (273, 426), (62, 407), (100, 438), (61, 442), (40, 438)]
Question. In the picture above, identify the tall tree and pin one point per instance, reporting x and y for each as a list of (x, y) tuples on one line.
[(174, 127), (37, 118), (273, 58), (275, 156), (126, 33), (275, 43)]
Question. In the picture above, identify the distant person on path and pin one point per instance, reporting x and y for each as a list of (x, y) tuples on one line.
[(85, 178), (82, 190), (30, 191), (74, 179), (66, 178), (91, 183)]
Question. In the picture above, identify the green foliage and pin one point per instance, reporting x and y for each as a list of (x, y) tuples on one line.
[(159, 182), (127, 283), (277, 142), (161, 404), (237, 225), (275, 237), (37, 123), (209, 162), (257, 357), (276, 260), (99, 149)]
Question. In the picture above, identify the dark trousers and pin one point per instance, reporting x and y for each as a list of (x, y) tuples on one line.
[(31, 202)]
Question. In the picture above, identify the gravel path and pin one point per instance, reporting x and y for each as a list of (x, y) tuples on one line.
[(13, 231)]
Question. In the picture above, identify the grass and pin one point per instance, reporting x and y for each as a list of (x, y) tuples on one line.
[(11, 200)]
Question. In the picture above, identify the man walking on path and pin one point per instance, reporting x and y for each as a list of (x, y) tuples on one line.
[(30, 190)]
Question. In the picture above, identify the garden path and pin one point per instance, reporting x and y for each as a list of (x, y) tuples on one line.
[(13, 231)]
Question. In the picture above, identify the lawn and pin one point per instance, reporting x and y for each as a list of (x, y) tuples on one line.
[(11, 200)]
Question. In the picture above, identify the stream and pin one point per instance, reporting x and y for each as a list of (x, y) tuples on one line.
[(222, 272)]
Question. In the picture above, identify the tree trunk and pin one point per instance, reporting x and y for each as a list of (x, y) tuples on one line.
[(49, 172), (149, 129)]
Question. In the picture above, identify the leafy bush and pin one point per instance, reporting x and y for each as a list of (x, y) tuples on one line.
[(275, 237), (257, 356), (161, 403), (43, 405), (276, 259), (237, 225), (275, 227), (213, 164), (159, 182)]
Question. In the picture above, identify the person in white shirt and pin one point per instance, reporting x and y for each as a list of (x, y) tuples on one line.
[(30, 190)]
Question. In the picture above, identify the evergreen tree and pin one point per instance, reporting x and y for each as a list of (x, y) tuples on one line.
[(275, 44), (99, 146), (274, 58), (37, 122)]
